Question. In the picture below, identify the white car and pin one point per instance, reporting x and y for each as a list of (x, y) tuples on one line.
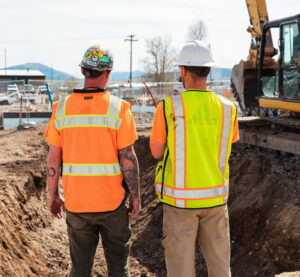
[(12, 88), (10, 98), (42, 90), (28, 89)]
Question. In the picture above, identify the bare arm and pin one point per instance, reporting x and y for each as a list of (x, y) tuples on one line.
[(130, 170), (157, 148), (56, 204)]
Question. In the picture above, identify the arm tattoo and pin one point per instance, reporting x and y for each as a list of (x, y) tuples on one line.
[(51, 172), (130, 170)]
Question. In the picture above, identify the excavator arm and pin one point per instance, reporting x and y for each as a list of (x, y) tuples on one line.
[(244, 81)]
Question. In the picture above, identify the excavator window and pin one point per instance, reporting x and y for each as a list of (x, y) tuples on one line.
[(291, 61), (291, 53), (270, 67)]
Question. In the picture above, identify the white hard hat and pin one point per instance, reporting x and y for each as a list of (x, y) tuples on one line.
[(195, 53)]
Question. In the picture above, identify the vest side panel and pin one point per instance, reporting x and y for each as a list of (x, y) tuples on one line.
[(169, 163)]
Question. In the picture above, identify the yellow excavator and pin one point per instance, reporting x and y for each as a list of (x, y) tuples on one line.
[(267, 84)]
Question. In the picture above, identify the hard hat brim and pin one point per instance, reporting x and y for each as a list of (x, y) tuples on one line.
[(94, 68)]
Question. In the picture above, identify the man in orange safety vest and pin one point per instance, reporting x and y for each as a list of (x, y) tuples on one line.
[(93, 133)]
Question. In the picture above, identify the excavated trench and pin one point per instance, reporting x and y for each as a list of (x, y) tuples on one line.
[(264, 208)]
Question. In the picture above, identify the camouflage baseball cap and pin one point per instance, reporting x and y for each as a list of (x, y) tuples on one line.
[(97, 59)]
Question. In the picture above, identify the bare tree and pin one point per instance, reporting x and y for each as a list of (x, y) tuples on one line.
[(197, 31), (160, 58)]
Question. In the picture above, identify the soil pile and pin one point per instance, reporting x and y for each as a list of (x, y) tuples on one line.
[(264, 211), (263, 205), (23, 205)]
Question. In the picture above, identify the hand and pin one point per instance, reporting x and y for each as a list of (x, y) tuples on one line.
[(56, 206), (134, 207)]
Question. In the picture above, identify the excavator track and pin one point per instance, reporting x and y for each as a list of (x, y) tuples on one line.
[(272, 129), (277, 133), (291, 122)]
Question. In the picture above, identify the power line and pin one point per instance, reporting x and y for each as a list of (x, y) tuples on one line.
[(131, 39), (55, 40)]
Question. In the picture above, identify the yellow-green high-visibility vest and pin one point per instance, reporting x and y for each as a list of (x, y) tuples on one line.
[(195, 172)]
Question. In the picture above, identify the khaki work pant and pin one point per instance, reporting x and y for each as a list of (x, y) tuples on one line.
[(181, 228)]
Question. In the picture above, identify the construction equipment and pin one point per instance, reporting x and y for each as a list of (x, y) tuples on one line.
[(267, 84)]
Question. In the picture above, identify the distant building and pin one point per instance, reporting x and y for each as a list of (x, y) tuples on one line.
[(14, 75), (20, 77)]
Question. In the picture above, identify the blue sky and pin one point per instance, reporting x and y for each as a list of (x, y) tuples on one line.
[(58, 32)]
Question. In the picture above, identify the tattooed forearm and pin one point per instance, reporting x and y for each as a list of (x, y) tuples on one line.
[(130, 170), (53, 166), (51, 172)]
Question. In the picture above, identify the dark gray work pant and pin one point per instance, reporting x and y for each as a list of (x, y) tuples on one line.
[(83, 231)]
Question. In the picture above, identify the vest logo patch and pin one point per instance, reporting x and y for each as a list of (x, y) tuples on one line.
[(88, 97)]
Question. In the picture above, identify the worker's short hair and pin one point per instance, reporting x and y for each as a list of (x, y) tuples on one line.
[(199, 71), (91, 73)]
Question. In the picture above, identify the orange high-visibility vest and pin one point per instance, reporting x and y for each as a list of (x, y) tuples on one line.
[(88, 126)]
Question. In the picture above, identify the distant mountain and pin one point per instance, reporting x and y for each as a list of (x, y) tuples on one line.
[(217, 73), (60, 75), (54, 75)]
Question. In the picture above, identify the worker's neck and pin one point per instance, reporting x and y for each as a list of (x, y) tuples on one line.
[(94, 83), (199, 84)]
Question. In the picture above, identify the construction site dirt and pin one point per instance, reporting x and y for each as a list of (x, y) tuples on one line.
[(263, 206)]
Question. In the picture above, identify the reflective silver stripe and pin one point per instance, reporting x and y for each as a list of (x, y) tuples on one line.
[(88, 121), (61, 107), (91, 169), (180, 141), (114, 106), (226, 133), (196, 194), (60, 112), (180, 203), (110, 120)]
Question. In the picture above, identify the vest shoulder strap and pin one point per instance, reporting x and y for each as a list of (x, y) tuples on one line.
[(114, 106), (60, 112)]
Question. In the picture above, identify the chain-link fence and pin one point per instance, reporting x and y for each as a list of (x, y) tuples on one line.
[(10, 86), (159, 90), (35, 93)]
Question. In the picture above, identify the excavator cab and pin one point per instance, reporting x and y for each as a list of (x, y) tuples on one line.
[(269, 78), (279, 80)]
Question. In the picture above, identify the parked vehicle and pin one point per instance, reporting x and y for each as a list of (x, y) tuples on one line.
[(28, 89), (42, 90), (12, 88), (10, 98)]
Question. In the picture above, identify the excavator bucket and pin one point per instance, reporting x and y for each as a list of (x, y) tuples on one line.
[(244, 85)]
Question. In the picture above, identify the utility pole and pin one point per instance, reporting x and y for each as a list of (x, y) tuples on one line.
[(5, 60), (51, 74), (131, 39)]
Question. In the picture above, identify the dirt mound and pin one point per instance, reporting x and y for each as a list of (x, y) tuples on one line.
[(264, 206), (23, 197)]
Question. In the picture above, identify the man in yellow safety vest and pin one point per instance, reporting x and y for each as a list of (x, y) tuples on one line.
[(193, 132)]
